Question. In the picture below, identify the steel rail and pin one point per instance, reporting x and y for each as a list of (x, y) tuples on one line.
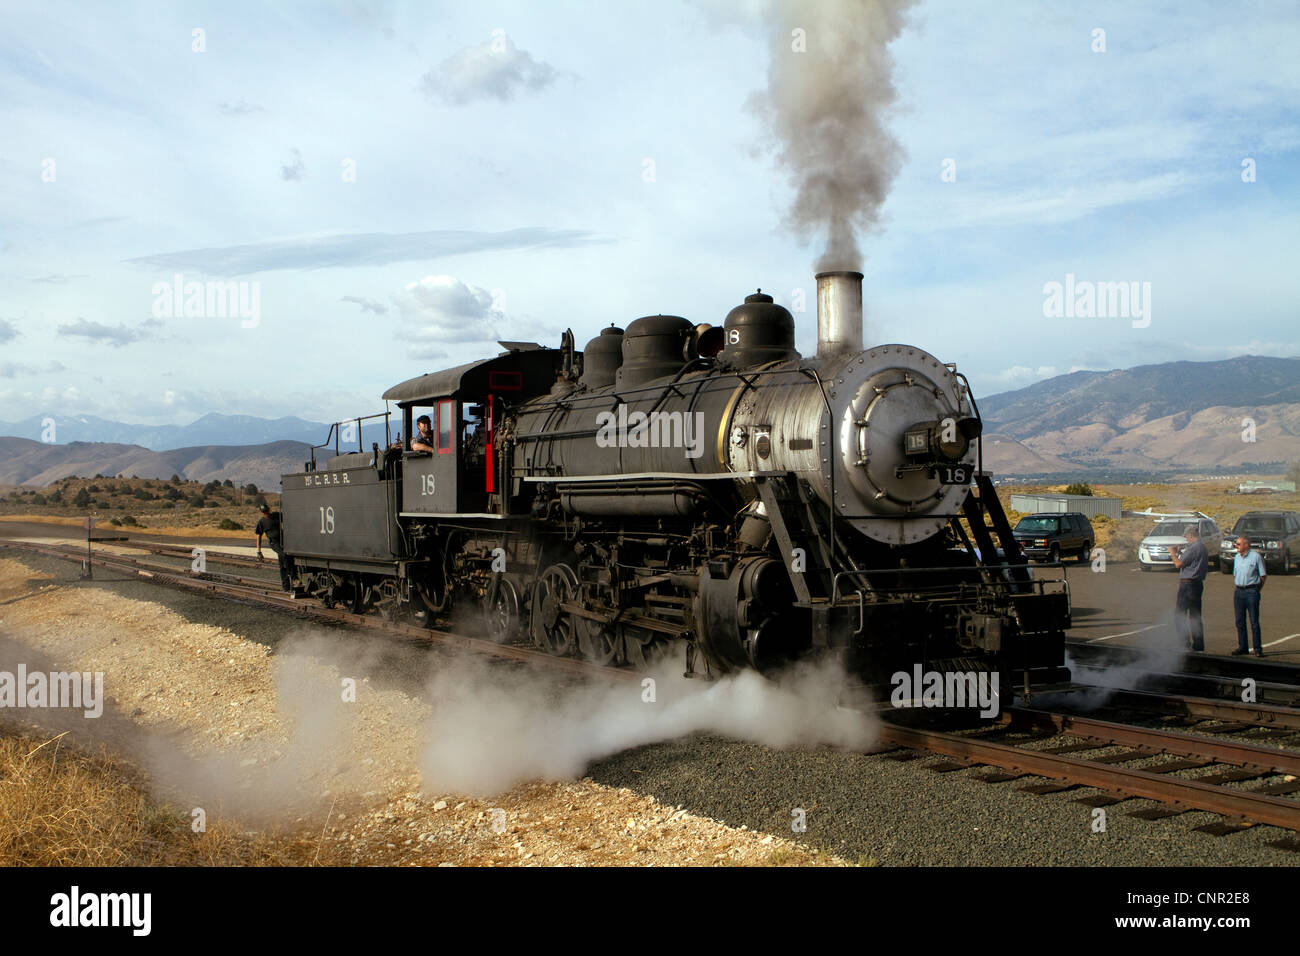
[(310, 609), (1252, 756), (1206, 708), (1188, 794), (1214, 665), (1197, 685)]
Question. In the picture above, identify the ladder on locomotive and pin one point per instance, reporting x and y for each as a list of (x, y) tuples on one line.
[(796, 525), (975, 508)]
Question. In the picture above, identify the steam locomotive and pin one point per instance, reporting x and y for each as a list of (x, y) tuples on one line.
[(694, 488)]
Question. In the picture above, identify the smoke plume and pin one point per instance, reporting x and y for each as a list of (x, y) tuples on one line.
[(829, 90)]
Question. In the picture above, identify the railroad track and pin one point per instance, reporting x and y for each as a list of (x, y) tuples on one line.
[(1271, 681), (183, 553), (1229, 762), (1077, 765), (1268, 671), (1234, 715), (269, 595)]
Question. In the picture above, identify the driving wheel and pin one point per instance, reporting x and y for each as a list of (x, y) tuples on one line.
[(501, 612), (552, 628), (597, 640)]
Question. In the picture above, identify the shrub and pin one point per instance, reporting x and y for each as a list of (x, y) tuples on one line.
[(39, 500), (212, 504), (82, 499), (228, 525), (250, 489), (129, 519), (143, 494), (116, 522), (171, 494), (167, 506), (175, 479), (228, 483), (1079, 488), (197, 501)]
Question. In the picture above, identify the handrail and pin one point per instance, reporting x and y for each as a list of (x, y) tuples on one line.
[(335, 433)]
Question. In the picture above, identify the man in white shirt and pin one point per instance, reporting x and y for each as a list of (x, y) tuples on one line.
[(1248, 574)]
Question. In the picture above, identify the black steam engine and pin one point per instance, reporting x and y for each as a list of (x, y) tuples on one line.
[(680, 486)]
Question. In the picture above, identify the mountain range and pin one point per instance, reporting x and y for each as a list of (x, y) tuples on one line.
[(1239, 414), (211, 429), (27, 462)]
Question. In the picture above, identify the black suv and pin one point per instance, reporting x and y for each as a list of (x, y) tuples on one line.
[(1051, 537), (1274, 534)]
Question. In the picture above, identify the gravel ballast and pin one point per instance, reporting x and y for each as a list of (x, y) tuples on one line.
[(865, 808)]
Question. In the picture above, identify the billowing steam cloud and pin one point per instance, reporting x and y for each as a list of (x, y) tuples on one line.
[(493, 729), (829, 90)]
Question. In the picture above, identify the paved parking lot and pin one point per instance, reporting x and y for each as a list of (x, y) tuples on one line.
[(1125, 605)]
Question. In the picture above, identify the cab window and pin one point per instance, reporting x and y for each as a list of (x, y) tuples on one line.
[(446, 425)]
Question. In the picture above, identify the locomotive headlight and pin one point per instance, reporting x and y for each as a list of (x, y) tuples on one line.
[(955, 436), (952, 443)]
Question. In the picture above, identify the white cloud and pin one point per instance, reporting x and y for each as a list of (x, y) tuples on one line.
[(295, 169), (494, 70), (1022, 374), (367, 305), (441, 309)]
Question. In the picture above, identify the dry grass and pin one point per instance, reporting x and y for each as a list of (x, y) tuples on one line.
[(102, 525), (115, 499), (61, 806)]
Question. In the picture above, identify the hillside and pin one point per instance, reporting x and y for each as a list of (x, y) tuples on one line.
[(26, 462), (1004, 455), (1177, 415)]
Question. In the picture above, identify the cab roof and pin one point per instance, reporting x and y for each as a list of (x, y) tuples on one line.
[(521, 372)]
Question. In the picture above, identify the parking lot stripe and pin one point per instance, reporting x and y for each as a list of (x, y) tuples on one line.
[(1094, 640), (1281, 639)]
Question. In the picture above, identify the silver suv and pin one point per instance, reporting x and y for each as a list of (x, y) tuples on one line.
[(1153, 552)]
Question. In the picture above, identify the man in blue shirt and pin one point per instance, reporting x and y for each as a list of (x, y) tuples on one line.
[(1248, 574), (1192, 562)]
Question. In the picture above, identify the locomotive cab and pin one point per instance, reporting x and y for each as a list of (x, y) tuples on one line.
[(462, 476), (431, 478)]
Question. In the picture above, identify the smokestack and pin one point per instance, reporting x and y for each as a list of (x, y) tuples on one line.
[(839, 313)]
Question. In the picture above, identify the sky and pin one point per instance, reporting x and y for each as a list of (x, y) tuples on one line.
[(393, 187)]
